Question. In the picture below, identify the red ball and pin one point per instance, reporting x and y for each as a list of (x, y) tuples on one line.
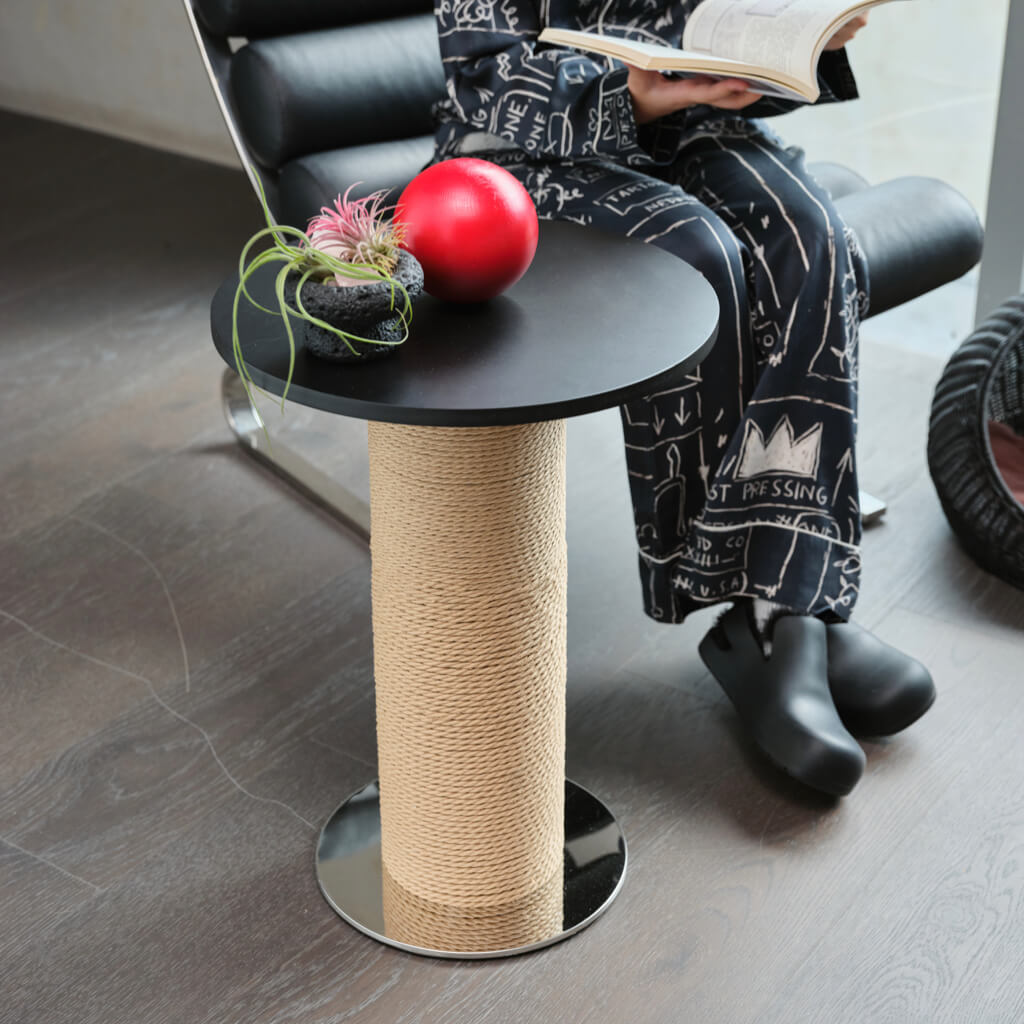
[(471, 225)]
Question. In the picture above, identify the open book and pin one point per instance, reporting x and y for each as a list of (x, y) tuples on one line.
[(773, 44)]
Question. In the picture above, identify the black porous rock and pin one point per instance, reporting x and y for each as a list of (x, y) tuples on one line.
[(362, 309)]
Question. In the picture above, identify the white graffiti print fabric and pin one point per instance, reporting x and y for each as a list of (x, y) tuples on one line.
[(743, 478), (554, 102)]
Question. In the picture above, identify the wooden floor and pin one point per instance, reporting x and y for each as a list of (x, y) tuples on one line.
[(186, 694)]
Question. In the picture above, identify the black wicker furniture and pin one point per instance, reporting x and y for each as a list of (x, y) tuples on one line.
[(983, 383)]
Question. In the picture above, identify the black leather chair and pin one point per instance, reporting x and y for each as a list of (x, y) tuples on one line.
[(322, 95)]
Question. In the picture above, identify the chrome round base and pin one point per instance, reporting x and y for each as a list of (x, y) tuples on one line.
[(351, 877)]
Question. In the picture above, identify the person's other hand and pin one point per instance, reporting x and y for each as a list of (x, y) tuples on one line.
[(654, 95), (847, 32)]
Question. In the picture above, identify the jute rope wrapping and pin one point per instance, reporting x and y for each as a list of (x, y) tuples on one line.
[(430, 925), (469, 612)]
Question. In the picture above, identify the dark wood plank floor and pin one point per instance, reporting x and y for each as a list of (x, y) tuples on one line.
[(186, 694)]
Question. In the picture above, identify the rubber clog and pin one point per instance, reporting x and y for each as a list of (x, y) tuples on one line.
[(877, 689), (784, 700)]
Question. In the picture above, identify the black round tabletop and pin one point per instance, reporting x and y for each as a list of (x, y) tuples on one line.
[(597, 320)]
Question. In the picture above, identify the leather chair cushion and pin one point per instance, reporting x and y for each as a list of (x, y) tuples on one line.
[(312, 181), (320, 91), (253, 19), (838, 179), (917, 234), (308, 182)]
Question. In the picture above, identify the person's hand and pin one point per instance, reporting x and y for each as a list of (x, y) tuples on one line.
[(654, 95), (847, 32)]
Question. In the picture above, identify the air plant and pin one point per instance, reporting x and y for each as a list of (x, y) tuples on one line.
[(350, 244), (356, 231)]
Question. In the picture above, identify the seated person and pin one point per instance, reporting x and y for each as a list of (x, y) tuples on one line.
[(743, 478)]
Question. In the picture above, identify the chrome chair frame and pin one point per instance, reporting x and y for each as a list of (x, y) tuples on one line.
[(242, 416)]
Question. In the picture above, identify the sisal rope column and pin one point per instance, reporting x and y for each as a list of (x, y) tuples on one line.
[(469, 613)]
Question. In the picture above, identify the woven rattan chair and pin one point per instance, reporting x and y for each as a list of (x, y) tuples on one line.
[(983, 382)]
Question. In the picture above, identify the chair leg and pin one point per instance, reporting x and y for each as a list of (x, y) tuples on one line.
[(247, 426), (871, 508)]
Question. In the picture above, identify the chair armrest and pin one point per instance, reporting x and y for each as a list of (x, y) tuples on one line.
[(917, 234), (838, 179)]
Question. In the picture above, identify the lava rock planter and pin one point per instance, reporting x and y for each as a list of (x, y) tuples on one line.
[(369, 311), (344, 286)]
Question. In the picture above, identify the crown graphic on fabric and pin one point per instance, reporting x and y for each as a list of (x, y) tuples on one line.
[(782, 454)]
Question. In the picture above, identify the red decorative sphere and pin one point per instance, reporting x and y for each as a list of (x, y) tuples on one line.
[(471, 225)]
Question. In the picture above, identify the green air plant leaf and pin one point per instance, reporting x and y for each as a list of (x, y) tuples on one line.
[(296, 252)]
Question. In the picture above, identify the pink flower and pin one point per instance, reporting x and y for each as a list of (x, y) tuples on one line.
[(356, 231)]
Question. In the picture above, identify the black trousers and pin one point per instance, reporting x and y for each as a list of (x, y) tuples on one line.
[(743, 479)]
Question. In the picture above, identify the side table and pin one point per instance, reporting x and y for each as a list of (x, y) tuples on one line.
[(473, 844)]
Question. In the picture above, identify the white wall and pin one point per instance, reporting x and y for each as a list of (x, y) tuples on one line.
[(125, 67), (928, 72)]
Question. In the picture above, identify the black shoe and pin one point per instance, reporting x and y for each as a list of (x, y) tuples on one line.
[(877, 689), (784, 700)]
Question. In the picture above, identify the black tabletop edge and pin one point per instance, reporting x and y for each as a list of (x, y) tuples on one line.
[(469, 416)]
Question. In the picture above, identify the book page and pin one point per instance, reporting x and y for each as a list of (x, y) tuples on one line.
[(679, 63), (781, 34)]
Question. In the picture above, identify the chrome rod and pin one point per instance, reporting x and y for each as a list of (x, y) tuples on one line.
[(247, 426)]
